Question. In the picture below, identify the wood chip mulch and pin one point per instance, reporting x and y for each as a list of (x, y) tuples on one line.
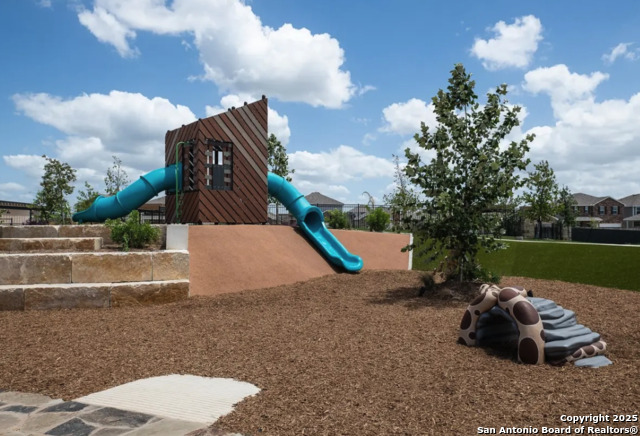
[(340, 355)]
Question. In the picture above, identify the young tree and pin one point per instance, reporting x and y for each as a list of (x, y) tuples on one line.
[(86, 197), (403, 198), (469, 175), (543, 196), (56, 183), (116, 178), (566, 212), (278, 162)]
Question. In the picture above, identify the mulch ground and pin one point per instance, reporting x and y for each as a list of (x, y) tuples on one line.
[(339, 355)]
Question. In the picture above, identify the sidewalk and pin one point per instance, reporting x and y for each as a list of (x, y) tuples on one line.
[(25, 414)]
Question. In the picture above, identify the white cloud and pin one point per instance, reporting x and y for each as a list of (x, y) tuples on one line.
[(14, 192), (98, 126), (621, 50), (44, 3), (238, 53), (31, 164), (565, 88), (367, 88), (109, 29), (338, 165), (337, 192), (513, 44), (278, 124), (592, 145), (11, 186), (404, 118)]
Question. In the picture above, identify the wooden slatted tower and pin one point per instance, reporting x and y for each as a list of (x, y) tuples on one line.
[(224, 159)]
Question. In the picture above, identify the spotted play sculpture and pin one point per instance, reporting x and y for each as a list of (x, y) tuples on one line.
[(542, 329)]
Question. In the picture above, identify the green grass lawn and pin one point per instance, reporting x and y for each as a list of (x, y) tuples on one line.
[(594, 264)]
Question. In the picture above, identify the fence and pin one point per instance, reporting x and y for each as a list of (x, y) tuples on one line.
[(605, 236), (356, 214), (14, 220)]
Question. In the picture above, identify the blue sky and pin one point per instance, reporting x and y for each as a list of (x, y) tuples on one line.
[(348, 82)]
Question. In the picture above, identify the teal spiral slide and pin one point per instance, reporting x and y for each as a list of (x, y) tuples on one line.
[(133, 196), (310, 218), (311, 221)]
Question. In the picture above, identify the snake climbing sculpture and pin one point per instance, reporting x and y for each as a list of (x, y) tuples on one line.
[(543, 330)]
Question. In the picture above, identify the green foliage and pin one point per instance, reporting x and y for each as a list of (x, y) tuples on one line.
[(566, 213), (56, 183), (86, 198), (116, 178), (483, 275), (278, 161), (130, 233), (428, 284), (468, 176), (543, 196), (403, 199), (377, 220), (337, 219)]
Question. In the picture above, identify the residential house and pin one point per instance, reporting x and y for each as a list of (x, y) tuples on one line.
[(631, 213), (606, 212), (326, 204), (153, 211), (323, 202), (16, 213), (281, 215)]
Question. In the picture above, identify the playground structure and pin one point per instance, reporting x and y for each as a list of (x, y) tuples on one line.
[(542, 329), (216, 173)]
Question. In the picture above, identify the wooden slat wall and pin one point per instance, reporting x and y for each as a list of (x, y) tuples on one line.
[(246, 203)]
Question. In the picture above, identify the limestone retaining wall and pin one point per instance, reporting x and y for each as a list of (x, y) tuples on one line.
[(72, 231), (49, 268), (103, 279), (91, 295)]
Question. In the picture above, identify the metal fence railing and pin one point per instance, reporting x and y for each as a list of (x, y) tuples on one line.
[(14, 220), (356, 214)]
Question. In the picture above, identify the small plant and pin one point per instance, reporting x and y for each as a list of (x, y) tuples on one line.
[(428, 284), (130, 233), (336, 219), (483, 275), (377, 220)]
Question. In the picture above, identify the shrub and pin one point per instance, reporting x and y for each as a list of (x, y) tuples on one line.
[(377, 220), (483, 275), (130, 233), (337, 219)]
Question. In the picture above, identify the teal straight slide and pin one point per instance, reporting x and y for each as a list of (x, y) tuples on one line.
[(311, 221), (133, 196)]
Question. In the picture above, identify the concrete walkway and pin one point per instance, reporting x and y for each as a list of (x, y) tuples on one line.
[(25, 414)]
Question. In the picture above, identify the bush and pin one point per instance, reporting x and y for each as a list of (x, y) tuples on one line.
[(337, 219), (130, 233), (377, 220), (483, 275)]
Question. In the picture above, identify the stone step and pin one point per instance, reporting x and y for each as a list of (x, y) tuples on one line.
[(91, 295), (566, 320), (565, 333), (555, 313), (102, 267), (562, 348), (49, 244), (593, 362), (69, 231), (542, 304)]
